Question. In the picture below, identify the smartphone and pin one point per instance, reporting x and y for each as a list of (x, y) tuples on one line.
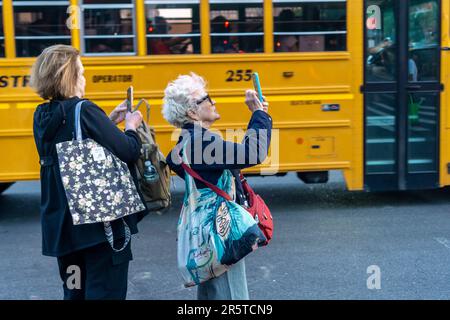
[(129, 98), (257, 86)]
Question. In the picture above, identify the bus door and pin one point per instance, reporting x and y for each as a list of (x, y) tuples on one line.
[(401, 90)]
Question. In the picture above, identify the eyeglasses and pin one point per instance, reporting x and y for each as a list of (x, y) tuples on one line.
[(207, 97)]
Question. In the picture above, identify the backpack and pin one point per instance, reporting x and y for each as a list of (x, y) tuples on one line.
[(152, 169)]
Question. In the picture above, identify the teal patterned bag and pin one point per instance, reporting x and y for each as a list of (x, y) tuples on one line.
[(213, 233)]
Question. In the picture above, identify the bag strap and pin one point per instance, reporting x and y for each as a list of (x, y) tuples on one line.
[(147, 105), (195, 175), (214, 188), (249, 194), (109, 235), (78, 133), (244, 182)]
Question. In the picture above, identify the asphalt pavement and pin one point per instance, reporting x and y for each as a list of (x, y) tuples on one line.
[(329, 243)]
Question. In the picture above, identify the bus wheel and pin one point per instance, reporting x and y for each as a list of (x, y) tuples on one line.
[(313, 176), (4, 186)]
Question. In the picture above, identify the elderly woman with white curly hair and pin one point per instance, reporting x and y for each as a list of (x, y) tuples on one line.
[(187, 105)]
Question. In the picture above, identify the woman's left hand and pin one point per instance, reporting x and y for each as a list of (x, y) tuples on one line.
[(118, 114)]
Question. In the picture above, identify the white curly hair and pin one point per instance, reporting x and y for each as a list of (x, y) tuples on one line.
[(180, 96)]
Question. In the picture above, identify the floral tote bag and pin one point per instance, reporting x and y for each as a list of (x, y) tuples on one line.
[(213, 233), (98, 185)]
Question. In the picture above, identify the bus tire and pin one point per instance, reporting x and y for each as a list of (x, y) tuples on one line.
[(313, 177), (5, 185)]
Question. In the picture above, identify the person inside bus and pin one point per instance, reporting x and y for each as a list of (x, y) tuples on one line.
[(104, 46), (286, 23), (187, 105), (412, 69), (166, 45), (159, 45), (222, 44), (381, 60), (57, 76)]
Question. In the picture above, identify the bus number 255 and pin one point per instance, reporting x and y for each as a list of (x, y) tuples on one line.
[(239, 75)]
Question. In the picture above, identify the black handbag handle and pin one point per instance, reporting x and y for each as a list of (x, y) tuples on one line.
[(110, 237)]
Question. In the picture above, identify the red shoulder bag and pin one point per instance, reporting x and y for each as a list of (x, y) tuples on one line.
[(259, 210)]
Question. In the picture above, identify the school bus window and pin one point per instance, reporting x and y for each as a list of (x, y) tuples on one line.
[(381, 53), (309, 26), (2, 35), (108, 27), (237, 26), (107, 1), (173, 28), (424, 48), (39, 24)]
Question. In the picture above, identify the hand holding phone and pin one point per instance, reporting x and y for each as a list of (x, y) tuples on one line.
[(257, 86)]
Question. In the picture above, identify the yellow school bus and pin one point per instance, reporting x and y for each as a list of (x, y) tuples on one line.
[(357, 86)]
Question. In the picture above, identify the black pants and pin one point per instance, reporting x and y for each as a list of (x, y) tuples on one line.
[(95, 273)]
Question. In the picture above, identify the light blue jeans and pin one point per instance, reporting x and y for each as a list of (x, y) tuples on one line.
[(232, 285)]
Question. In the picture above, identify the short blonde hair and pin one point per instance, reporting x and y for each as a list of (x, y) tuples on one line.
[(55, 72), (180, 96)]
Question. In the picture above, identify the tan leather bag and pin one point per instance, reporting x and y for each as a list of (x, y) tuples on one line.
[(152, 169)]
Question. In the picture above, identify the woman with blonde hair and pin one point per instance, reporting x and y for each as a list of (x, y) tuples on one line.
[(81, 250)]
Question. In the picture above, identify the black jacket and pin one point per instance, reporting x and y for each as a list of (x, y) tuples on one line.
[(53, 123), (226, 155)]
